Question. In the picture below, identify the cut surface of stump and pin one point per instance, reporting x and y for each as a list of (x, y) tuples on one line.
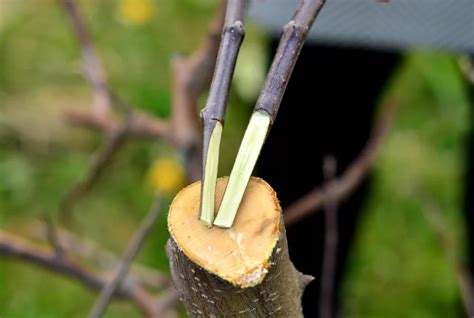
[(240, 255), (244, 271)]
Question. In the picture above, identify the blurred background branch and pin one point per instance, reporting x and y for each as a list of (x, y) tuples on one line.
[(91, 64), (340, 188), (190, 77), (328, 273), (48, 258), (123, 266)]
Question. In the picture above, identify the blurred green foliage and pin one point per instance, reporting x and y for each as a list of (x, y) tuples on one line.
[(397, 268)]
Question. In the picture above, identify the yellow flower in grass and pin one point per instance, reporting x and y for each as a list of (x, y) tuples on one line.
[(166, 176), (136, 12)]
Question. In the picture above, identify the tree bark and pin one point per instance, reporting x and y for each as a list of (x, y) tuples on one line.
[(244, 271)]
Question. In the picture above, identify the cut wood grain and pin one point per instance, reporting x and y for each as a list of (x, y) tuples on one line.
[(244, 270)]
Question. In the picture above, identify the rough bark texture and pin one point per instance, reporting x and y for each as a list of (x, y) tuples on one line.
[(206, 295)]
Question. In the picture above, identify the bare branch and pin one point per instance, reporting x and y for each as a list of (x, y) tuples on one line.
[(126, 260), (265, 112), (330, 243), (289, 48), (464, 279), (213, 114), (135, 124), (93, 69), (90, 252), (200, 65), (101, 108), (52, 236), (141, 125), (232, 36), (17, 247), (101, 160), (342, 187), (191, 75)]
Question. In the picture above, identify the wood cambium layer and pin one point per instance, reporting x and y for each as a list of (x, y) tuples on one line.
[(245, 270)]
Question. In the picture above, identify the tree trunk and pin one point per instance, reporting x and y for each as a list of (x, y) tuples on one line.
[(244, 271)]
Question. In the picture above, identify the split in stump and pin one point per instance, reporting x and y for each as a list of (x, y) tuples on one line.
[(241, 271)]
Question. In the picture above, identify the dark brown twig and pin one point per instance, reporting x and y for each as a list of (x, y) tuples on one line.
[(291, 42), (191, 75), (330, 243), (464, 279), (213, 114), (123, 266), (232, 37), (265, 112), (343, 186)]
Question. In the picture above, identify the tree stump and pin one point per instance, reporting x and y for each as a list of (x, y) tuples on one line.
[(244, 271)]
